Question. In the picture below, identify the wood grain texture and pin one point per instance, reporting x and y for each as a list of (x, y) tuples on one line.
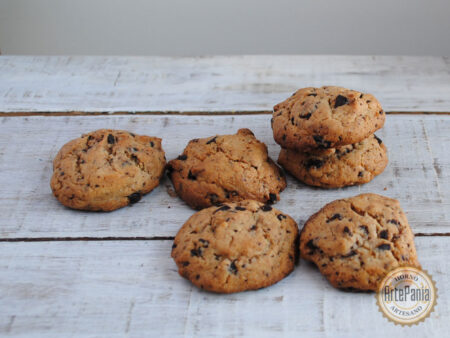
[(209, 84), (418, 174), (132, 288)]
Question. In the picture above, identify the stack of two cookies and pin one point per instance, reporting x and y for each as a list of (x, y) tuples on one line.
[(327, 136), (238, 241)]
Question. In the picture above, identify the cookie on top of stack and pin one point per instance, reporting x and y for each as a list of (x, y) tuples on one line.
[(226, 168), (327, 136)]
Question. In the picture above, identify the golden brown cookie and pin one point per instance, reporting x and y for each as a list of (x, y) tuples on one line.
[(337, 167), (107, 169), (326, 117), (225, 168), (356, 241), (236, 247)]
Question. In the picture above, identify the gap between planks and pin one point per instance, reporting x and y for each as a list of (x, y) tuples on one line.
[(188, 113), (139, 238)]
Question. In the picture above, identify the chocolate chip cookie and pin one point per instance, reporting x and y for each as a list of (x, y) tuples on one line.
[(107, 169), (337, 167), (225, 168), (325, 117), (235, 247), (356, 241)]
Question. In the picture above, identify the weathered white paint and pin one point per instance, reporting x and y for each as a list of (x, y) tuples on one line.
[(132, 288), (239, 83), (418, 174)]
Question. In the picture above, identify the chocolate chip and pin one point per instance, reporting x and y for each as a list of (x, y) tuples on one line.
[(312, 94), (191, 176), (381, 112), (213, 198), (321, 143), (281, 217), (253, 227), (272, 198), (204, 242), (292, 120), (111, 139), (334, 217), (174, 246), (182, 157), (185, 263), (384, 247), (266, 207), (233, 268), (132, 134), (306, 116), (393, 221), (311, 246), (197, 277), (222, 208), (384, 234), (152, 144), (213, 140), (134, 158), (197, 252), (134, 198), (313, 162), (360, 174), (364, 228), (340, 101), (378, 139), (360, 96), (348, 232), (240, 208)]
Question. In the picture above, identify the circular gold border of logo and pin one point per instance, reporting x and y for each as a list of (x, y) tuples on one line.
[(418, 320)]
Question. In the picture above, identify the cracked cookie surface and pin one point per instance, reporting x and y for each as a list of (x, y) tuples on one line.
[(337, 167), (235, 247), (107, 169), (356, 241), (325, 117), (226, 168)]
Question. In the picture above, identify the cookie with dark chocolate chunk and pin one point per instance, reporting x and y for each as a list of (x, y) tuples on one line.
[(354, 242), (236, 247), (337, 167), (226, 168), (107, 169), (326, 117)]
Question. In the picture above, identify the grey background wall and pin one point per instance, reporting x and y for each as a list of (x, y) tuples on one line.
[(204, 27)]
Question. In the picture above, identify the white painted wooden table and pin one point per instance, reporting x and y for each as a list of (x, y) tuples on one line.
[(68, 273)]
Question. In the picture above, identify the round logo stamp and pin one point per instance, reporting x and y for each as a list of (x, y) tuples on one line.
[(407, 295)]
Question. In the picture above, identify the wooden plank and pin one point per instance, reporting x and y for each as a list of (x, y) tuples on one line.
[(418, 174), (213, 84), (132, 288)]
